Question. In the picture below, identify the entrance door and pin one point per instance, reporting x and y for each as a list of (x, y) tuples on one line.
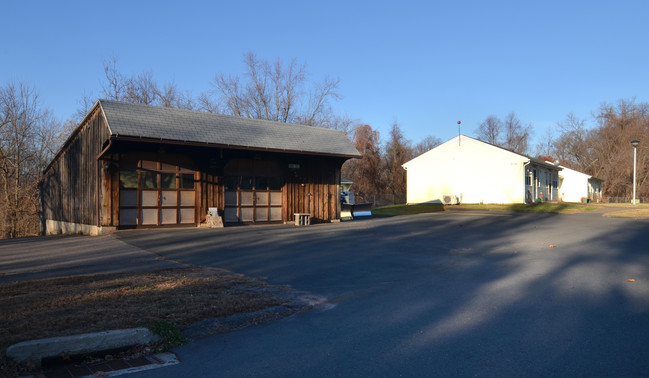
[(155, 194)]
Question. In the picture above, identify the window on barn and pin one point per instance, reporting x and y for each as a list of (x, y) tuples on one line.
[(128, 179)]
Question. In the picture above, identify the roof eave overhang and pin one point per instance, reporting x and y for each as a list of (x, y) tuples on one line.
[(544, 164), (228, 146)]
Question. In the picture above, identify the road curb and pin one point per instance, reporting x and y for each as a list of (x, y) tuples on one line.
[(36, 350)]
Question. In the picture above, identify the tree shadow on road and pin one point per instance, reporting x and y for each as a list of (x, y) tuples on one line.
[(463, 294)]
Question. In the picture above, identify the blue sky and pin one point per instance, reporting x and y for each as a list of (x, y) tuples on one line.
[(423, 64)]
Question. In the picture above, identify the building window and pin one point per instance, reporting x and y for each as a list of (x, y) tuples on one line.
[(275, 183), (128, 179), (149, 180), (187, 181), (168, 180)]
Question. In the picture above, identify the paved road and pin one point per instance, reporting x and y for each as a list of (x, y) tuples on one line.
[(444, 294), (38, 258), (452, 294)]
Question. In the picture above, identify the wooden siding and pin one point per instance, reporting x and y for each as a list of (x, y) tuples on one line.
[(210, 192), (69, 187), (313, 189)]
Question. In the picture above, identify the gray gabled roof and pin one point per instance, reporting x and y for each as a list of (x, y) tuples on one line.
[(177, 125), (529, 158)]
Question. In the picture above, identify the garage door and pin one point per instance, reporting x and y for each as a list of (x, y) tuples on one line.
[(156, 194), (253, 192)]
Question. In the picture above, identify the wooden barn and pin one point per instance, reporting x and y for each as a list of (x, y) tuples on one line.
[(130, 165)]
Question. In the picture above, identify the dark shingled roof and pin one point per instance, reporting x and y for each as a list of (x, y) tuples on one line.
[(153, 122)]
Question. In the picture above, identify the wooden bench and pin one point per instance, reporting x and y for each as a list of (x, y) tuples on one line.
[(302, 219)]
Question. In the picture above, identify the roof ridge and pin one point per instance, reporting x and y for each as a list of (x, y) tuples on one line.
[(209, 114)]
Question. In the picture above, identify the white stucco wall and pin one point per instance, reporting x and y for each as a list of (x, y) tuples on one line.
[(474, 171)]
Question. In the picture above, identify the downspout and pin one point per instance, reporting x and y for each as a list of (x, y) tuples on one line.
[(105, 150)]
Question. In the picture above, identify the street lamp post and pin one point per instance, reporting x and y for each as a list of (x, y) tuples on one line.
[(635, 144)]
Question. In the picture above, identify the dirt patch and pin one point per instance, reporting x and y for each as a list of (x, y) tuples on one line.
[(180, 296)]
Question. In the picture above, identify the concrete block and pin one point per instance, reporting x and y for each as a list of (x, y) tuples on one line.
[(36, 350)]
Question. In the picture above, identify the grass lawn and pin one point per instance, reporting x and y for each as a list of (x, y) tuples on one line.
[(392, 210), (559, 208), (159, 300)]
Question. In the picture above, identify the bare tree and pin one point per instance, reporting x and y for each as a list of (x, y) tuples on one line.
[(516, 135), (85, 104), (232, 97), (274, 92), (114, 86), (425, 145), (397, 152), (609, 150), (28, 140), (318, 108), (509, 134), (171, 97), (545, 147), (142, 89), (139, 89), (207, 104), (571, 148), (605, 150), (490, 130), (342, 123)]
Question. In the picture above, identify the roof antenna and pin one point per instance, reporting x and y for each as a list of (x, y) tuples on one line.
[(459, 135)]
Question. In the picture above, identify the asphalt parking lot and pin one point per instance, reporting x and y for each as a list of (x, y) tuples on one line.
[(451, 294)]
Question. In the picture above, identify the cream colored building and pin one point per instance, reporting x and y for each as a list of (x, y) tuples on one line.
[(466, 170), (575, 186)]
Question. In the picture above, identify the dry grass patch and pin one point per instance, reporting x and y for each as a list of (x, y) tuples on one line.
[(642, 213), (545, 207), (74, 305), (625, 205)]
